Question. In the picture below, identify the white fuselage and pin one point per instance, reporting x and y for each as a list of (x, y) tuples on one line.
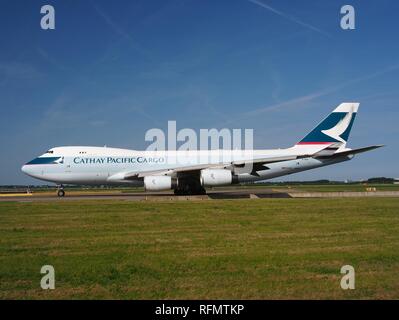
[(103, 165)]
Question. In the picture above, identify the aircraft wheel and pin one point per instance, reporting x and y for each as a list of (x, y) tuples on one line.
[(189, 191), (198, 191), (202, 191), (60, 193)]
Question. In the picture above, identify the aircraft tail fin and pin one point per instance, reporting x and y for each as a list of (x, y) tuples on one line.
[(335, 128)]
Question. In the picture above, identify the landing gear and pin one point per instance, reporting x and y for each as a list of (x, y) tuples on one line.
[(60, 191), (179, 192), (189, 188)]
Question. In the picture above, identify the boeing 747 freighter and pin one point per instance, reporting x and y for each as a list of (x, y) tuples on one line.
[(190, 172)]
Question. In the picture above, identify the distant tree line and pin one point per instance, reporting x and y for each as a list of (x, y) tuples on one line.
[(376, 180), (381, 180)]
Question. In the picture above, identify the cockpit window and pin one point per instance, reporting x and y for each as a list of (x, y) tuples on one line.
[(49, 151)]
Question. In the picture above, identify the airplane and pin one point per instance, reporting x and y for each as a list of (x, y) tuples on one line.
[(189, 172)]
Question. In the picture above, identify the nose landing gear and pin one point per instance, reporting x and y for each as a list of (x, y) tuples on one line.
[(60, 191)]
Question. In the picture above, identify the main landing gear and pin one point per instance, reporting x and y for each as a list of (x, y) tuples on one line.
[(60, 191), (189, 192), (189, 187)]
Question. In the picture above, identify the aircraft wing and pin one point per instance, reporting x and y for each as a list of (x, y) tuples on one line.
[(257, 165)]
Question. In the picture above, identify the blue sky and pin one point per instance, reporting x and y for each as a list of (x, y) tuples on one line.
[(111, 70)]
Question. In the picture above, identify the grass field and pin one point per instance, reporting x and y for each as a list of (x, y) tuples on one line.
[(218, 249)]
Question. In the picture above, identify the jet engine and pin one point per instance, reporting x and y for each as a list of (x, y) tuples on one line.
[(216, 177), (159, 183)]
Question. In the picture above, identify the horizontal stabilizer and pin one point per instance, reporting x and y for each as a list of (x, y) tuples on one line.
[(359, 150)]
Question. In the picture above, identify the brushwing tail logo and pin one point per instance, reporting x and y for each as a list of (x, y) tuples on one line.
[(336, 131)]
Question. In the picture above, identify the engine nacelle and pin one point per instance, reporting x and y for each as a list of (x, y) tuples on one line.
[(159, 183), (216, 177)]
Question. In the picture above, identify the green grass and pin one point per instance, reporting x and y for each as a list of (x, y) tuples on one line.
[(218, 249)]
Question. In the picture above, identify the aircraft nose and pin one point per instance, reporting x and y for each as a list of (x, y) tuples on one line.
[(25, 169)]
